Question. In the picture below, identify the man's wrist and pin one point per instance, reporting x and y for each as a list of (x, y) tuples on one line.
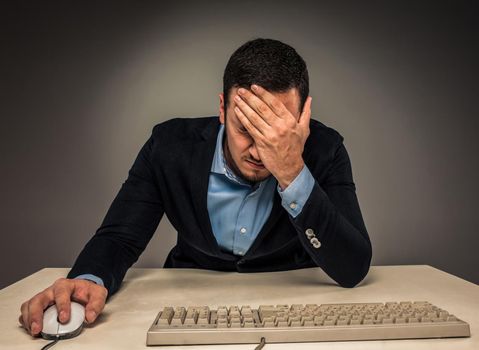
[(286, 179), (91, 278), (294, 197)]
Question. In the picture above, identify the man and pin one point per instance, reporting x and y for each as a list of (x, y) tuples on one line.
[(261, 188)]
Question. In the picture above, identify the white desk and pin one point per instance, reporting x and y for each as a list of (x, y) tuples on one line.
[(130, 312)]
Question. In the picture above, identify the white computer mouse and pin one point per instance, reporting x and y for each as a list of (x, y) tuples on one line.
[(53, 329)]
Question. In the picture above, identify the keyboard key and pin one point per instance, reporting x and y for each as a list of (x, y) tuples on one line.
[(166, 316)]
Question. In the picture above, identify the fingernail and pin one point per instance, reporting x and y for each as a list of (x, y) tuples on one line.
[(91, 315), (63, 316), (241, 91), (237, 98), (254, 87), (34, 327)]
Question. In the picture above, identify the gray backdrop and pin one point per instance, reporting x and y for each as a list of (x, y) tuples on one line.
[(83, 84)]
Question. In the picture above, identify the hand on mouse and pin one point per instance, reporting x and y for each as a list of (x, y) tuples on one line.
[(88, 293)]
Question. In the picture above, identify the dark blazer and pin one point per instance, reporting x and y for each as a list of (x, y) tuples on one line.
[(170, 175)]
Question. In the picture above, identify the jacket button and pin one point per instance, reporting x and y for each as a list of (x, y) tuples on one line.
[(315, 242), (310, 233), (240, 262)]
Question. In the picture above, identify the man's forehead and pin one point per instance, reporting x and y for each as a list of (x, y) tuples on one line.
[(289, 98)]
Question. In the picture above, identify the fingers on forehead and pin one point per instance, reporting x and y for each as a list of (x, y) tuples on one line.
[(248, 125), (252, 103), (249, 96), (267, 97)]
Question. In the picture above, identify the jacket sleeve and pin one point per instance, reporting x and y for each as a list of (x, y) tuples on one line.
[(331, 228), (127, 228)]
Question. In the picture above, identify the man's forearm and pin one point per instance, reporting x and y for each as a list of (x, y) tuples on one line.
[(127, 228), (330, 225), (342, 249)]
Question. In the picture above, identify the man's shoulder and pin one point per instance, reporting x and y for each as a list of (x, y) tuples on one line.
[(323, 134), (185, 129), (322, 147)]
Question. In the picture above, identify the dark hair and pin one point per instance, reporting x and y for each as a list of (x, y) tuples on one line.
[(269, 63)]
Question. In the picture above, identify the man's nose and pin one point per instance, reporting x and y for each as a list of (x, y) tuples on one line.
[(253, 151)]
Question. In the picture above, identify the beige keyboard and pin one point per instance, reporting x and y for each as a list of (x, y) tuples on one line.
[(303, 323)]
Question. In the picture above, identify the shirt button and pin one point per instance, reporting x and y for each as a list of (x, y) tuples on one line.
[(243, 230), (293, 205)]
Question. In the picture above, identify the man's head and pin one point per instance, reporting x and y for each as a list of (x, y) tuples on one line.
[(278, 68)]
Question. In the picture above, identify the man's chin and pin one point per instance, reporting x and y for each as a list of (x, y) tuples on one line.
[(256, 176)]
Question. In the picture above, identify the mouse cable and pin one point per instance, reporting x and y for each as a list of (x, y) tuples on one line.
[(261, 344), (49, 345)]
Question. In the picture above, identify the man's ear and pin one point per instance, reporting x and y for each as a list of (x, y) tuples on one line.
[(222, 109)]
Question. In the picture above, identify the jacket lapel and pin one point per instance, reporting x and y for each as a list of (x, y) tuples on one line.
[(201, 159)]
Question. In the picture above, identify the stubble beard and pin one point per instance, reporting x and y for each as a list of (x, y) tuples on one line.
[(232, 165)]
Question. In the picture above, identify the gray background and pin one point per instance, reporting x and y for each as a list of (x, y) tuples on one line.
[(83, 84)]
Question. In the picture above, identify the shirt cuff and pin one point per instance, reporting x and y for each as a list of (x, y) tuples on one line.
[(297, 193), (92, 278)]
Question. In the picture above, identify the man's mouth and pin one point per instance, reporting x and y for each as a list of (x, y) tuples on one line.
[(255, 165)]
